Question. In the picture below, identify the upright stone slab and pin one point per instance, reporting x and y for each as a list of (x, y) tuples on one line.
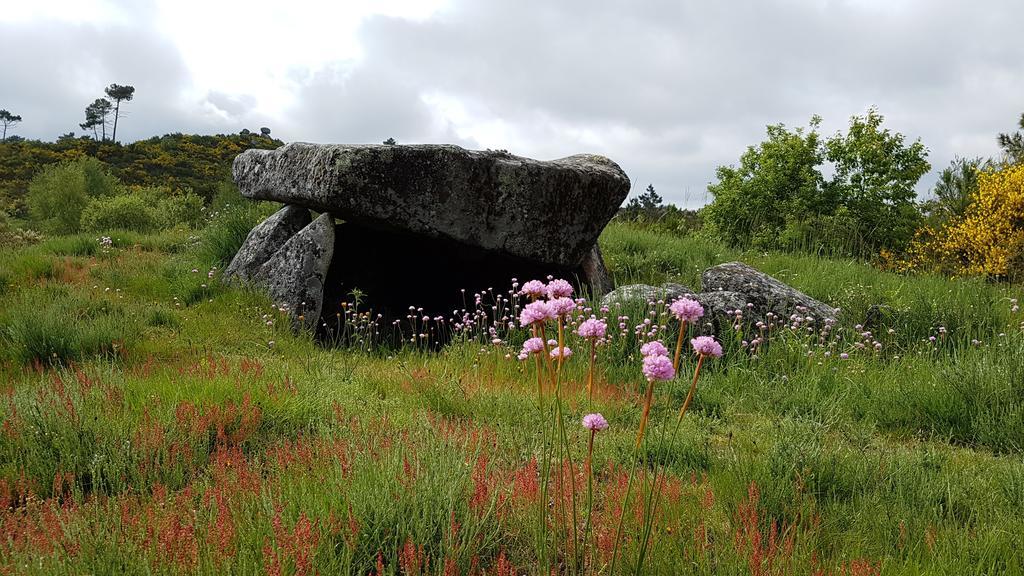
[(549, 212), (294, 275), (265, 239)]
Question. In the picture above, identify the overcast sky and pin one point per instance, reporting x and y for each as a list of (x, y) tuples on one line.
[(669, 90)]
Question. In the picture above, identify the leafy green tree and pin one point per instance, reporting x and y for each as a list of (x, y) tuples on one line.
[(875, 175), (778, 198), (953, 191), (775, 180), (60, 192), (96, 117), (119, 94), (7, 119), (1013, 144)]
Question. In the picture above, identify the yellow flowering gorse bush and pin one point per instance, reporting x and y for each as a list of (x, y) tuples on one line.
[(988, 239)]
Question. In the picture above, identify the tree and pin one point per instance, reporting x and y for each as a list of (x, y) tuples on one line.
[(875, 175), (953, 191), (778, 197), (646, 205), (776, 181), (96, 116), (1013, 144), (119, 93), (8, 119), (390, 142)]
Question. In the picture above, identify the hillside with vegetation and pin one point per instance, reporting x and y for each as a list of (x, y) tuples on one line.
[(156, 420)]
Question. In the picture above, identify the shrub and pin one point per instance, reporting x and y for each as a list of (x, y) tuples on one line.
[(123, 212), (988, 240), (58, 194), (777, 197)]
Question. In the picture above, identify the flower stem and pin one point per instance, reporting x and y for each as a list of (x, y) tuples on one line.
[(679, 345), (590, 373), (693, 387), (648, 398)]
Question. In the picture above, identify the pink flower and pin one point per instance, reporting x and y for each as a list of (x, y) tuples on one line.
[(533, 345), (686, 310), (562, 306), (658, 367), (592, 328), (566, 352), (595, 422), (534, 288), (535, 313), (654, 348), (559, 289), (706, 346)]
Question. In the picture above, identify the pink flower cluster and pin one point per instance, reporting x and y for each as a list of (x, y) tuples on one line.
[(595, 422), (686, 310), (531, 346), (658, 367), (654, 348), (536, 312), (592, 328), (706, 346)]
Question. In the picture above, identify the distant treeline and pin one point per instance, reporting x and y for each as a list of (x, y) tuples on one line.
[(177, 161)]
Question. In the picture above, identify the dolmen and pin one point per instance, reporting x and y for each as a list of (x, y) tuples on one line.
[(419, 225)]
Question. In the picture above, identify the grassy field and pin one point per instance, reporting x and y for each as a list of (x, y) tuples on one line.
[(156, 421)]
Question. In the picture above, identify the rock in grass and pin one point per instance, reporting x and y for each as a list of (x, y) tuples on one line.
[(294, 275), (549, 212), (766, 293), (641, 294), (265, 239)]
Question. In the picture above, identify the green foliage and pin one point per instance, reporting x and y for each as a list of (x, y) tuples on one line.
[(7, 120), (776, 181), (231, 219), (59, 193), (1013, 144), (875, 174), (648, 211), (128, 212), (177, 161), (778, 197), (56, 326), (953, 191)]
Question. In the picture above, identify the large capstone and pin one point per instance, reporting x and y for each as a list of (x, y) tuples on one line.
[(549, 212)]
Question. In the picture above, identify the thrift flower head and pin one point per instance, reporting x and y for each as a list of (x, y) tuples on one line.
[(653, 348), (658, 367), (562, 306), (706, 346), (534, 288), (592, 328), (536, 312), (595, 422), (559, 289), (687, 310), (533, 345), (566, 352)]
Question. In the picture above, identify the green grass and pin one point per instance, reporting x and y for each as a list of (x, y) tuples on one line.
[(211, 442)]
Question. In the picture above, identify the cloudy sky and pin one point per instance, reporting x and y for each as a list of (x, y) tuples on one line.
[(669, 89)]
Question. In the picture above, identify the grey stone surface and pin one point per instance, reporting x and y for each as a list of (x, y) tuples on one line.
[(643, 293), (294, 275), (546, 211), (265, 239), (766, 293), (722, 305), (595, 274)]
